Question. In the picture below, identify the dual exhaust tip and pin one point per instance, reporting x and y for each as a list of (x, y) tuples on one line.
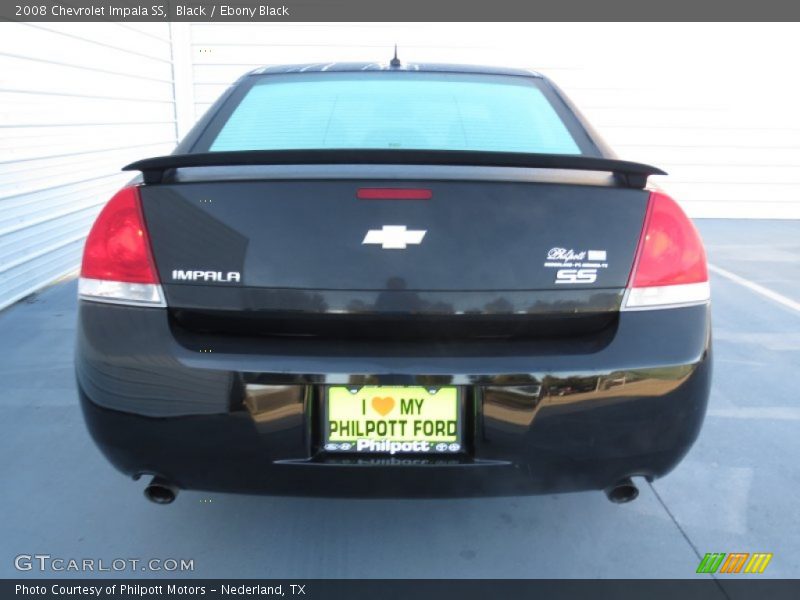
[(160, 491), (623, 491)]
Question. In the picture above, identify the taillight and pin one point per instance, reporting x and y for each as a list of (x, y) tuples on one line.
[(670, 267), (117, 263)]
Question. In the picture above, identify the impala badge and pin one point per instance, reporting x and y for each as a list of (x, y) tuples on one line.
[(394, 237)]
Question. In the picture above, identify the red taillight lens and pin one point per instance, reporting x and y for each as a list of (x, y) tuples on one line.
[(118, 248), (394, 194), (670, 250)]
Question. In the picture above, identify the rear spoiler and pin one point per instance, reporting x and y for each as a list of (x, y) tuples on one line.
[(629, 174)]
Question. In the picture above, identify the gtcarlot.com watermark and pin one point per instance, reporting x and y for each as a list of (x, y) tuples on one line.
[(45, 563)]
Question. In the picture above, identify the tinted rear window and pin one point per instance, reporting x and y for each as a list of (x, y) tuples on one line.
[(406, 110)]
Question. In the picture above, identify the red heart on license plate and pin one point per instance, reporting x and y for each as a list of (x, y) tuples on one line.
[(383, 405)]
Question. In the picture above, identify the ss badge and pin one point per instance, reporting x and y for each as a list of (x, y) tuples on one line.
[(576, 276)]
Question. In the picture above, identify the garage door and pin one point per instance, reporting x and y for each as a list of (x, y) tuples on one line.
[(77, 101)]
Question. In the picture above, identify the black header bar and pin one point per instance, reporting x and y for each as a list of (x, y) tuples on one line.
[(699, 588), (399, 10)]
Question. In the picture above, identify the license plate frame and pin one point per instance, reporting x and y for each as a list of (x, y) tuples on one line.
[(387, 445)]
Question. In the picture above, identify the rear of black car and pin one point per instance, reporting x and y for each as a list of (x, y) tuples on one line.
[(380, 281)]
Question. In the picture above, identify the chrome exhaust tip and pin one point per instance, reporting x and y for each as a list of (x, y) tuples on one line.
[(623, 491), (160, 491)]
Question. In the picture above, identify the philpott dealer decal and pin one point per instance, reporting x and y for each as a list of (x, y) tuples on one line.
[(576, 267)]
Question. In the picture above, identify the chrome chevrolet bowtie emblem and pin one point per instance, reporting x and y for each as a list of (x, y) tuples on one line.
[(394, 237)]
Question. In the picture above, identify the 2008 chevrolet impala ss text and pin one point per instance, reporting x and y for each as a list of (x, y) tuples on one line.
[(393, 280)]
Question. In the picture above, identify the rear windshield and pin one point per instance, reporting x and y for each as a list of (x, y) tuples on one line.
[(391, 110)]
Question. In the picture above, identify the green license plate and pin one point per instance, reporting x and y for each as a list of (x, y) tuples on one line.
[(392, 419)]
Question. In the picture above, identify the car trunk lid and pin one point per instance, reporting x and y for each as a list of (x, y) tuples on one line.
[(319, 255)]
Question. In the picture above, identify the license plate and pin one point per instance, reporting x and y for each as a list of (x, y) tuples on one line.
[(392, 419)]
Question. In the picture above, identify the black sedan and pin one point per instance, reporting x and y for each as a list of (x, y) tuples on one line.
[(393, 280)]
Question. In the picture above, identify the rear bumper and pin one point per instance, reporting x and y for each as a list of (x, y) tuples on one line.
[(542, 416)]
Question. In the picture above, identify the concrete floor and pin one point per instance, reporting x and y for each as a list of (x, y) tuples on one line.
[(736, 491)]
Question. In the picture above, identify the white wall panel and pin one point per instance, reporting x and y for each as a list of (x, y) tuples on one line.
[(34, 141), (77, 102)]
